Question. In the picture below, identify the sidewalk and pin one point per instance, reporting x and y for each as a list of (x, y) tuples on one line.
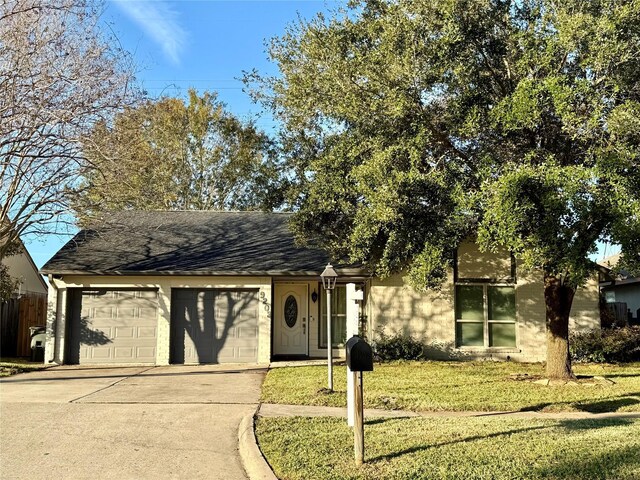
[(277, 410)]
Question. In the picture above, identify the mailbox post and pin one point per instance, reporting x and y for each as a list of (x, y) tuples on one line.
[(359, 359)]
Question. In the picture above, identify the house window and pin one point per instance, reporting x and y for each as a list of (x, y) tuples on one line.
[(485, 316), (610, 296), (338, 317)]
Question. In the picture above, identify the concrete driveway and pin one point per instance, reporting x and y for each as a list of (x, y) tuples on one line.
[(126, 422)]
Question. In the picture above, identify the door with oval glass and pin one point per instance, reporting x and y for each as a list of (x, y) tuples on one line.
[(291, 319)]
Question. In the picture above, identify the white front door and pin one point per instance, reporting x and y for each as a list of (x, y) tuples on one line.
[(290, 319)]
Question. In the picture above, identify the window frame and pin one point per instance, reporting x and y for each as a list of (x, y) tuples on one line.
[(486, 322), (322, 336)]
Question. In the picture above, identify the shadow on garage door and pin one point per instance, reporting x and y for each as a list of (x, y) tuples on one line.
[(112, 326), (214, 326)]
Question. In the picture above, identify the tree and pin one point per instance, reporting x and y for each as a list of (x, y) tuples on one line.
[(9, 284), (426, 122), (168, 154), (59, 75)]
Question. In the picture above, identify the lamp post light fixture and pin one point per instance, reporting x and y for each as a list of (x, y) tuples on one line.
[(329, 277)]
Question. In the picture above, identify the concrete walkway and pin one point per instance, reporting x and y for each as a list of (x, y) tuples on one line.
[(127, 422), (277, 410)]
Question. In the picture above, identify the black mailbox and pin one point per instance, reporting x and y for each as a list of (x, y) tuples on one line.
[(359, 355)]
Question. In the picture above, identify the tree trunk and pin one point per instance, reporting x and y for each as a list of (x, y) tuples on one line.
[(558, 299)]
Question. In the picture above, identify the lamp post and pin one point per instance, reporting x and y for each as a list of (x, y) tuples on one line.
[(329, 277)]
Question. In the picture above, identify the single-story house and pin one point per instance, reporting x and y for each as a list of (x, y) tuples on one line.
[(209, 287)]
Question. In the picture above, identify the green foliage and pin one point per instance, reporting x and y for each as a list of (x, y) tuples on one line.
[(606, 345), (409, 126), (8, 284), (168, 154), (437, 120), (397, 347)]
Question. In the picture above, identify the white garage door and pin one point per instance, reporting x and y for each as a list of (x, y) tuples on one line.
[(112, 326), (214, 326)]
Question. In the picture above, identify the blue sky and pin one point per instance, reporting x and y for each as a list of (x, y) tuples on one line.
[(205, 44), (202, 44)]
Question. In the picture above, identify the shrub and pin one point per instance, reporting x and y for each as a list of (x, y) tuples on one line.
[(397, 347), (606, 345)]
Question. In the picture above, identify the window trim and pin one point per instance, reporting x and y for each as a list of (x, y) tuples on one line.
[(322, 339), (485, 314)]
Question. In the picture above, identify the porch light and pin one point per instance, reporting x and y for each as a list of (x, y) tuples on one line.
[(329, 277)]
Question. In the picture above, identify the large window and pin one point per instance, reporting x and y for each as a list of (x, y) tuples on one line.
[(485, 316), (338, 317)]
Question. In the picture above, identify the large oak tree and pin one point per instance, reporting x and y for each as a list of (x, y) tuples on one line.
[(413, 124)]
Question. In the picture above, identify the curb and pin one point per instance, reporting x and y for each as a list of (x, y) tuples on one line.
[(254, 463)]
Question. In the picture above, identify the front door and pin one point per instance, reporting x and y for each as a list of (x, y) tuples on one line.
[(290, 319)]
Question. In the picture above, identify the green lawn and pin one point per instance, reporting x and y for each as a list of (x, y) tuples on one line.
[(459, 386), (469, 448), (13, 366)]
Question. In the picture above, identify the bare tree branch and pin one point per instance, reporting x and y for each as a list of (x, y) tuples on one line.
[(60, 74)]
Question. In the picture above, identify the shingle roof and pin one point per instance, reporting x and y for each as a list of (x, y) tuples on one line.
[(620, 276), (188, 242)]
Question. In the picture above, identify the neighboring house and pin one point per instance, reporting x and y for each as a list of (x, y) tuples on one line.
[(208, 287), (27, 307), (621, 289), (22, 267)]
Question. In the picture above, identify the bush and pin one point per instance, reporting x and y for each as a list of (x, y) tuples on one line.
[(606, 345), (397, 347)]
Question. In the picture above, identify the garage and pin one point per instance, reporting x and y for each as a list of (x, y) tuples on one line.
[(112, 326), (214, 326)]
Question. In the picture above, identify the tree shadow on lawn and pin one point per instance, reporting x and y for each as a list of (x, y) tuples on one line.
[(622, 463), (591, 424), (423, 447), (381, 420), (570, 425), (606, 405), (612, 404), (617, 375)]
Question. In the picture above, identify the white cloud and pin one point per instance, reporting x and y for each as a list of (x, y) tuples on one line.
[(160, 22)]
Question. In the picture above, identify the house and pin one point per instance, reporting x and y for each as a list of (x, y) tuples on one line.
[(22, 267), (27, 307), (208, 287), (621, 290)]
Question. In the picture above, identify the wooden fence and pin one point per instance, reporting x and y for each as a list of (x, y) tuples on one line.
[(16, 316)]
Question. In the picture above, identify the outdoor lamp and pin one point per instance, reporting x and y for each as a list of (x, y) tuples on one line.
[(329, 277)]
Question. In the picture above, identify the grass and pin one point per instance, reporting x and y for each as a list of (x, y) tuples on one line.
[(459, 386), (469, 448), (13, 366)]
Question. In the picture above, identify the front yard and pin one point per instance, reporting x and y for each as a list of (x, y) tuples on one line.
[(449, 447), (13, 366), (460, 386), (469, 448)]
